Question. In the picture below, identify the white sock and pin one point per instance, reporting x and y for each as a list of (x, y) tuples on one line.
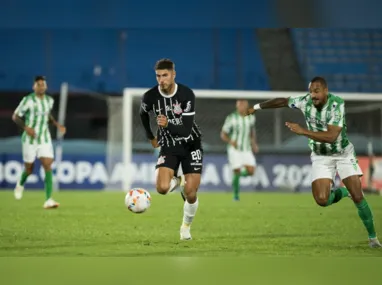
[(189, 211)]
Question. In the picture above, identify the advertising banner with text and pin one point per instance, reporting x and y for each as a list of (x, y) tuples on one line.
[(273, 172)]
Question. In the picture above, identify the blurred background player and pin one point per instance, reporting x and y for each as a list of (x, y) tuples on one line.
[(179, 138), (238, 132), (332, 151), (36, 139)]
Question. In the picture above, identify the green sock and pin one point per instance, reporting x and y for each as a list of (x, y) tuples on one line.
[(236, 185), (244, 172), (48, 184), (23, 178), (366, 216), (336, 195)]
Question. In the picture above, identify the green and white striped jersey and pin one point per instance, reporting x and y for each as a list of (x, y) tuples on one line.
[(239, 129), (36, 112), (333, 113)]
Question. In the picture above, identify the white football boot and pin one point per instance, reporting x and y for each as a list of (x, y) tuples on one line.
[(374, 242), (185, 233), (18, 191), (51, 204)]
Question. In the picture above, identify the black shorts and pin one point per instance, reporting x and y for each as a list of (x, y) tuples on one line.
[(190, 158)]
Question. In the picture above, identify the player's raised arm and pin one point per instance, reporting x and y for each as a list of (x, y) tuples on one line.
[(145, 117), (270, 104)]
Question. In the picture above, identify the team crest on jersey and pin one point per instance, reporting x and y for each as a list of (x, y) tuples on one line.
[(177, 108), (161, 159)]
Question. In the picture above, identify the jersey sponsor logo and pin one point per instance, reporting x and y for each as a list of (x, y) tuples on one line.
[(177, 108), (188, 107), (316, 121), (168, 108), (175, 121)]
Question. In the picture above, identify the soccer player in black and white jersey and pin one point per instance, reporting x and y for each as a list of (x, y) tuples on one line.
[(179, 138)]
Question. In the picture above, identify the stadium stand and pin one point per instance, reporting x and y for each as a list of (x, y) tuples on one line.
[(350, 59)]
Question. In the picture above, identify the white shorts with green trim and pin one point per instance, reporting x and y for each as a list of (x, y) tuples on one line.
[(31, 151), (345, 163)]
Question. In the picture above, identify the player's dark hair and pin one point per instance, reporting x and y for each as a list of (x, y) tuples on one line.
[(321, 80), (165, 63), (39, 77)]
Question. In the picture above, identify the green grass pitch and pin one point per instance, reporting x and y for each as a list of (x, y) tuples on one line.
[(262, 224)]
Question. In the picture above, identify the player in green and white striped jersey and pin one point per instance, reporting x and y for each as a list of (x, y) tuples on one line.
[(239, 133), (36, 109), (332, 151)]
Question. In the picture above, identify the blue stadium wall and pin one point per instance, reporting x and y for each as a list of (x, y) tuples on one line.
[(108, 46)]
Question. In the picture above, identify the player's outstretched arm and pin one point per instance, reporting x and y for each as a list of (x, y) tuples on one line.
[(269, 104)]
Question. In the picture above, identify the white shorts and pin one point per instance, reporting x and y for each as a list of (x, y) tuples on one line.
[(31, 151), (237, 159), (345, 164)]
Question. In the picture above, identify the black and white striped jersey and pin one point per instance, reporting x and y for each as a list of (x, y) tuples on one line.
[(179, 108)]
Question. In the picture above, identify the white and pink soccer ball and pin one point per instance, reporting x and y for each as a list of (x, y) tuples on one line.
[(138, 200)]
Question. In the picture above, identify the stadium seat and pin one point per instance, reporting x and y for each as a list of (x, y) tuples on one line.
[(351, 59)]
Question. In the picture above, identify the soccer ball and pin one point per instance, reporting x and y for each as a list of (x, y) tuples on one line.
[(138, 200)]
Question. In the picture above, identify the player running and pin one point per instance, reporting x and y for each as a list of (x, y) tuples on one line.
[(239, 134), (36, 140), (331, 150), (173, 106)]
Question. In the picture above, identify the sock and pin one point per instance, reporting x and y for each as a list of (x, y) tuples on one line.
[(336, 195), (48, 184), (244, 172), (236, 185), (366, 216), (23, 178), (189, 211)]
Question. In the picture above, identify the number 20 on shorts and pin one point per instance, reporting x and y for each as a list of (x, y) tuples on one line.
[(196, 155)]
